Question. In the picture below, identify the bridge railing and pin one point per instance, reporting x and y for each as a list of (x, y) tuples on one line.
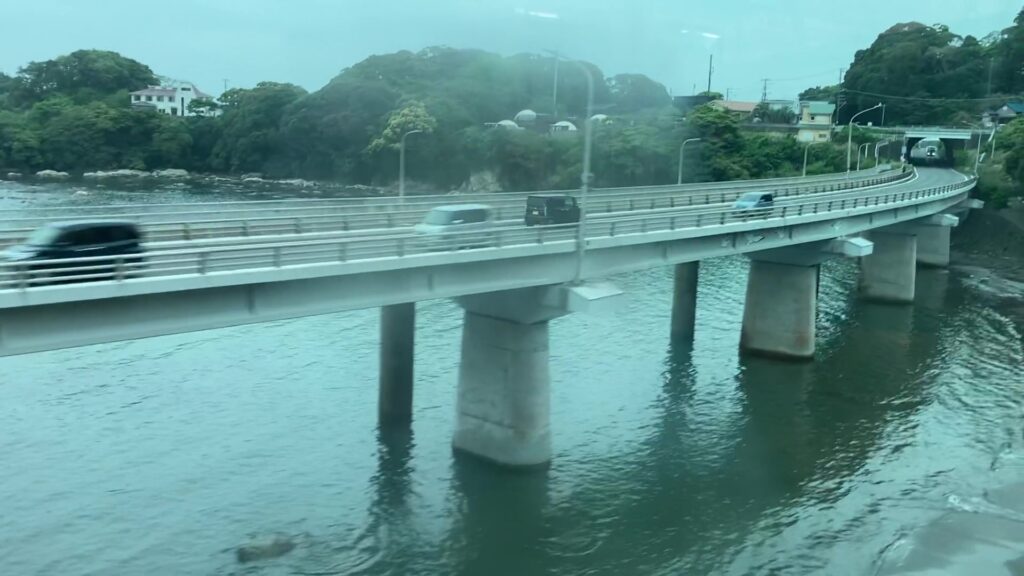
[(301, 221), (383, 202), (226, 260)]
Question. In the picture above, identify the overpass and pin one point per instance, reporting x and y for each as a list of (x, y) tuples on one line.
[(510, 284)]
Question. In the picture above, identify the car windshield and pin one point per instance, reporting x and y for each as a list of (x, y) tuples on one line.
[(750, 197), (439, 217), (44, 236)]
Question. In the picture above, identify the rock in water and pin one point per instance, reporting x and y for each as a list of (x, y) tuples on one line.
[(52, 174), (171, 173), (276, 548), (13, 175)]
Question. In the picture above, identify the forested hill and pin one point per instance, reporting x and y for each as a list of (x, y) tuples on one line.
[(931, 75)]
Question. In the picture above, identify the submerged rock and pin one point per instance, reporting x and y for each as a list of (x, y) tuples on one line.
[(53, 174), (299, 182), (13, 175), (276, 548)]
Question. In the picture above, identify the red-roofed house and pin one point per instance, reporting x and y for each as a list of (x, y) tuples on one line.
[(172, 100)]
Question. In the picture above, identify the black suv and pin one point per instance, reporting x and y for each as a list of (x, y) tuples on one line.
[(64, 240), (551, 209)]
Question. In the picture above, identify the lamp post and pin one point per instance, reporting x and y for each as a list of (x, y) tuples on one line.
[(849, 137), (877, 147), (865, 146), (401, 165), (807, 148), (586, 176), (681, 148)]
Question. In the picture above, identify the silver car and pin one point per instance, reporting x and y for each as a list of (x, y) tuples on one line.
[(457, 226)]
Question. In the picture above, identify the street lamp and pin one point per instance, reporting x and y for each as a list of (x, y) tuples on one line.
[(807, 148), (877, 147), (681, 148), (849, 137), (401, 164), (865, 147)]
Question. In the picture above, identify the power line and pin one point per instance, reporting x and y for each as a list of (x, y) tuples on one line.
[(915, 99)]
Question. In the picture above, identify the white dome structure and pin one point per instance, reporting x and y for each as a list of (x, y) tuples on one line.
[(600, 119), (526, 116), (563, 126), (508, 124)]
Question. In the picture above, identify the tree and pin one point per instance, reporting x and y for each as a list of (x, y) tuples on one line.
[(768, 114), (413, 116), (250, 140), (820, 94), (634, 92), (924, 64), (1007, 56), (203, 107), (83, 76), (713, 95)]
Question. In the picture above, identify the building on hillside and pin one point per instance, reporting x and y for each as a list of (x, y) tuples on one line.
[(686, 103), (172, 99), (815, 121), (1006, 114), (739, 109)]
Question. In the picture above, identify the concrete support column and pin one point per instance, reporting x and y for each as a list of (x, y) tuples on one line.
[(504, 401), (933, 246), (397, 348), (780, 310), (684, 301), (890, 273)]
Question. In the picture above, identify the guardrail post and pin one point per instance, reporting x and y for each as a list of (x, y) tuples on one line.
[(391, 220), (277, 256), (671, 201), (186, 231), (540, 234), (721, 219), (643, 226), (652, 203), (203, 263), (342, 249), (298, 226), (631, 204), (119, 268), (672, 223), (698, 220), (497, 239), (612, 231), (21, 274), (401, 247), (245, 227)]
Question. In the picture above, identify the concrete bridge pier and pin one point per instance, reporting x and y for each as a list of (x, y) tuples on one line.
[(397, 349), (890, 273), (503, 410), (684, 301), (504, 401), (782, 296), (933, 239)]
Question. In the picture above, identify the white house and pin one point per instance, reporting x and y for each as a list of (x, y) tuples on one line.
[(815, 121), (171, 99)]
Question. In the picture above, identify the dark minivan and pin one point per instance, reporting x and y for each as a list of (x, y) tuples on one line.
[(120, 241), (551, 209)]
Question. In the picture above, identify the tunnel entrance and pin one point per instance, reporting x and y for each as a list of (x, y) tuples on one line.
[(934, 147)]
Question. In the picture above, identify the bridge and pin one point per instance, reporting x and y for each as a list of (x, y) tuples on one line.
[(510, 283)]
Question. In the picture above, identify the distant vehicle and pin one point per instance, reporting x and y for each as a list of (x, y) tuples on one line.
[(551, 209), (754, 203), (121, 241), (457, 226), (931, 151)]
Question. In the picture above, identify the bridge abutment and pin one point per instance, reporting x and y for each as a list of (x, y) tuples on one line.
[(933, 246), (890, 273), (397, 350), (504, 401), (684, 301)]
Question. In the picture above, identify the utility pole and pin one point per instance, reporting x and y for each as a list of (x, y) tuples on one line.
[(554, 96), (728, 91), (225, 84), (711, 68), (764, 90)]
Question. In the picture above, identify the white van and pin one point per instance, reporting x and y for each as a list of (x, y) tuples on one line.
[(454, 226)]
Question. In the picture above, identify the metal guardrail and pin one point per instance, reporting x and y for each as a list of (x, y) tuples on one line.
[(607, 201), (204, 261), (381, 202)]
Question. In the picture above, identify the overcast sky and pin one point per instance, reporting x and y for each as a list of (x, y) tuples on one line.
[(796, 43)]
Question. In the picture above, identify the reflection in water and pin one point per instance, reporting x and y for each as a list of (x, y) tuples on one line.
[(498, 521)]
